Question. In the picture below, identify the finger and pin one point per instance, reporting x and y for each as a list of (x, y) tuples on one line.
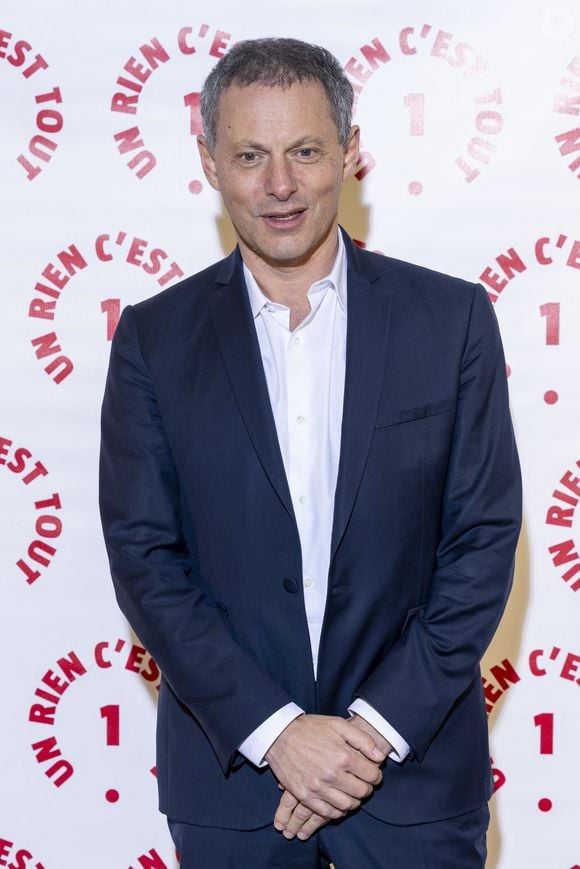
[(332, 805), (362, 724), (284, 810), (325, 809), (333, 798), (349, 762), (314, 823), (363, 742), (338, 800), (300, 815), (352, 788), (365, 770)]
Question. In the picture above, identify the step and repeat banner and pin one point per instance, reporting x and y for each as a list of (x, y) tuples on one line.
[(470, 164)]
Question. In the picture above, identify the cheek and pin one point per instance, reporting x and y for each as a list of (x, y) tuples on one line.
[(328, 187), (236, 201), (248, 195), (325, 198)]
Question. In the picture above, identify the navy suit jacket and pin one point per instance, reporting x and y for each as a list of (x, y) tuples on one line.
[(205, 553)]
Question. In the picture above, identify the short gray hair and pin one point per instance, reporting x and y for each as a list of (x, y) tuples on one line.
[(278, 62)]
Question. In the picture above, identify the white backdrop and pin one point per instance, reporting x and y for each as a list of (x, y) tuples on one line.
[(471, 139)]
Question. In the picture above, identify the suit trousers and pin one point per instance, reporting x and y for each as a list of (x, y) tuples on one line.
[(356, 842)]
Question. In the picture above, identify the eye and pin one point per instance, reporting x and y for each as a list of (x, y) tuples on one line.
[(306, 153), (248, 157)]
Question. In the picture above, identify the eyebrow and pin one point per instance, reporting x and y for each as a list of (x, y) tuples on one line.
[(246, 144)]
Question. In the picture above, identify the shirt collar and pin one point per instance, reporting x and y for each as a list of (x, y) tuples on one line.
[(336, 279)]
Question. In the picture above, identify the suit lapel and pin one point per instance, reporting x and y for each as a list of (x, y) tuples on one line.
[(236, 335), (368, 321)]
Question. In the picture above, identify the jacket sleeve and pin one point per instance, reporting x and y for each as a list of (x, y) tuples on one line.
[(436, 658), (156, 575)]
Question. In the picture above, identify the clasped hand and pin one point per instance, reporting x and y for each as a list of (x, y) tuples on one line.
[(326, 766)]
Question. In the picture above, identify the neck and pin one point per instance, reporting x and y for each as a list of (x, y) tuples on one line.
[(288, 283)]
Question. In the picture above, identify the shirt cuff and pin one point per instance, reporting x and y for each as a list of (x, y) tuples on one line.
[(256, 745), (400, 748)]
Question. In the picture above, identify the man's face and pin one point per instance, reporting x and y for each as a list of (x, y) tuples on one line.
[(279, 167)]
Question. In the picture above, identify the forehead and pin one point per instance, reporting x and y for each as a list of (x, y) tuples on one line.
[(257, 110)]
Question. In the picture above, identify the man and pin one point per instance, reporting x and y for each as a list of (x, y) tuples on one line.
[(311, 499)]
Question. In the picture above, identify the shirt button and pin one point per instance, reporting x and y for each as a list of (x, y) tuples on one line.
[(303, 500), (296, 340), (308, 582), (300, 420)]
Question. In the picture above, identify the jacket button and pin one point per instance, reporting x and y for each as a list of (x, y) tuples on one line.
[(290, 585)]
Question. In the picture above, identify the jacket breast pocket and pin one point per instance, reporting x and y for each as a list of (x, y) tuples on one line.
[(410, 414)]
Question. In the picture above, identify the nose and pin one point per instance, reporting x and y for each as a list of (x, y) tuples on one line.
[(280, 181)]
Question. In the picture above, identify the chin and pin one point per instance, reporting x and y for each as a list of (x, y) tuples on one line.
[(288, 256), (282, 250)]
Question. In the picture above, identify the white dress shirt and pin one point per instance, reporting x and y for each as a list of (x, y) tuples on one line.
[(305, 370)]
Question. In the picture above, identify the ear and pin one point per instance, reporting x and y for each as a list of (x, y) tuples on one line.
[(208, 162), (351, 153)]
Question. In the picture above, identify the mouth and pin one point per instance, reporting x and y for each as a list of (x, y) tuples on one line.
[(284, 219)]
